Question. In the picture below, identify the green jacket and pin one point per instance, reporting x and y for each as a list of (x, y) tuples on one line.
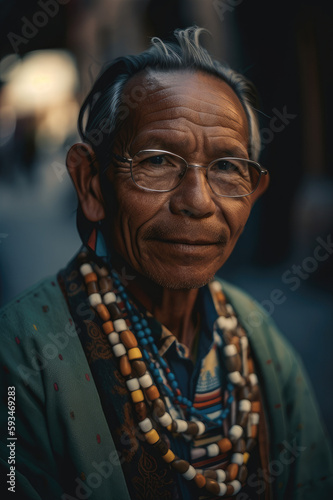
[(64, 449)]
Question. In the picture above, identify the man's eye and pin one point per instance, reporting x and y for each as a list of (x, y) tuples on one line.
[(156, 160), (226, 166)]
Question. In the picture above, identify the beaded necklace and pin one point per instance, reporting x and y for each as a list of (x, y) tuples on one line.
[(142, 372)]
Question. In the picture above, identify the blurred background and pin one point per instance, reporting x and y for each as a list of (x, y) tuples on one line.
[(51, 52)]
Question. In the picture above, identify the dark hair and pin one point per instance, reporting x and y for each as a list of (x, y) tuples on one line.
[(106, 111)]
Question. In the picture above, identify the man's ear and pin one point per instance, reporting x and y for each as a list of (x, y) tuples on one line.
[(84, 171), (263, 185)]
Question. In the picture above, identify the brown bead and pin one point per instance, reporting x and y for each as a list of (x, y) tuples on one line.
[(200, 480), (139, 367), (255, 393), (101, 271), (159, 407), (161, 447), (128, 339), (152, 393), (192, 429), (104, 285), (227, 336), (242, 418), (239, 446), (210, 473), (233, 363), (114, 311), (92, 287), (225, 445), (125, 366), (240, 331), (250, 444), (212, 486), (230, 490), (82, 258), (231, 472), (173, 426), (180, 466), (103, 312), (255, 406), (243, 393), (242, 474), (141, 410)]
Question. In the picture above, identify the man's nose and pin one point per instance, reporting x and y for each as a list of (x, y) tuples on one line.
[(194, 196)]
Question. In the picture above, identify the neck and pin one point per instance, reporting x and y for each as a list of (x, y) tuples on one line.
[(173, 308)]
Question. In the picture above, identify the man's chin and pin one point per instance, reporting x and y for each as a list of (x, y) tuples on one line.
[(186, 280)]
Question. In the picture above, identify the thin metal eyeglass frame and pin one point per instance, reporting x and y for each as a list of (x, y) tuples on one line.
[(262, 171)]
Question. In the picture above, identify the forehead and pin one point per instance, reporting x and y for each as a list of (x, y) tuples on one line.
[(175, 105)]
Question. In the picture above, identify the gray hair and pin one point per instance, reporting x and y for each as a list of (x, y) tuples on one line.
[(104, 107)]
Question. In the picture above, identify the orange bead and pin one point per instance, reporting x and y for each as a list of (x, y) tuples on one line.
[(225, 445), (152, 393), (128, 339), (103, 312), (125, 366), (220, 297), (90, 277), (250, 365), (255, 406), (254, 431), (108, 326), (200, 480), (232, 471)]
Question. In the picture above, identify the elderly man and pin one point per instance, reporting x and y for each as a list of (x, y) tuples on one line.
[(134, 373)]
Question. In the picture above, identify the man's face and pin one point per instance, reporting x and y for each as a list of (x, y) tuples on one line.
[(179, 239)]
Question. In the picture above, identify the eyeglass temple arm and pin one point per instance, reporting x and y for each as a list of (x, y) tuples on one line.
[(121, 158)]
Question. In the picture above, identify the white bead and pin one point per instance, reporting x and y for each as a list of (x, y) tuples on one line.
[(119, 350), (216, 286), (221, 475), (237, 458), (145, 380), (236, 486), (201, 427), (109, 298), (253, 379), (95, 299), (227, 323), (190, 473), (223, 489), (213, 450), (132, 384), (244, 342), (146, 425), (182, 425), (86, 269), (113, 338), (230, 350), (120, 325), (236, 378), (254, 418), (235, 432), (165, 419), (244, 405)]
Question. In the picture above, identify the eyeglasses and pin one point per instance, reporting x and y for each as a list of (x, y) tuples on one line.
[(162, 171)]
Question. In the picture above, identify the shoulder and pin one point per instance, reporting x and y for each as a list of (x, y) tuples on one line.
[(38, 305)]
